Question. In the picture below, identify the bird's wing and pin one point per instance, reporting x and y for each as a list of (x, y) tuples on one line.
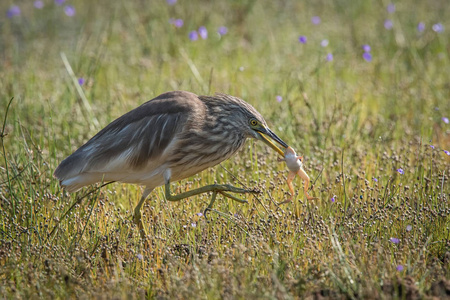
[(135, 139), (132, 147)]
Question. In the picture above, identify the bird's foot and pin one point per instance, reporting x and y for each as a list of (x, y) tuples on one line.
[(226, 194), (205, 213), (254, 191)]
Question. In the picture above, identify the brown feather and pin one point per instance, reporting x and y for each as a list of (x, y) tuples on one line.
[(136, 130)]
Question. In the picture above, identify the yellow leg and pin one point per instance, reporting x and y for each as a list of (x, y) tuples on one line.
[(138, 213), (215, 188)]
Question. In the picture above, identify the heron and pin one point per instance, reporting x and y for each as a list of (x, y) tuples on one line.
[(169, 138)]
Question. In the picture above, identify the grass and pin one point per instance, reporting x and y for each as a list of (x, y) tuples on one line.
[(356, 122)]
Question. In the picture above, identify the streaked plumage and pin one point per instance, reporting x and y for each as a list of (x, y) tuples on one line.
[(169, 138)]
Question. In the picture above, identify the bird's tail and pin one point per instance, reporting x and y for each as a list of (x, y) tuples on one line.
[(70, 173)]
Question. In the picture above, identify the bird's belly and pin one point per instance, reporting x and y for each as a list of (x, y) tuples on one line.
[(182, 173), (155, 177), (186, 166), (150, 176)]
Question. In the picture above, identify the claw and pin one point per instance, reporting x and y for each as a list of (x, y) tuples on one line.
[(205, 213), (254, 191)]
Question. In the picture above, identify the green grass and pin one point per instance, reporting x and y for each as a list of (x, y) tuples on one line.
[(354, 121)]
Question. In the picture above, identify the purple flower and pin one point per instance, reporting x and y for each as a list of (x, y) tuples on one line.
[(395, 240), (176, 22), (222, 30), (194, 225), (333, 199), (193, 35), (324, 43), (203, 32), (399, 268), (432, 147), (408, 228), (329, 57), (374, 179), (366, 48), (367, 56), (401, 171), (199, 214), (388, 24), (438, 27), (59, 2), (140, 256), (13, 11), (446, 152), (38, 4), (421, 27), (302, 39), (81, 81), (315, 20), (279, 98), (69, 10), (171, 2), (445, 120), (391, 8)]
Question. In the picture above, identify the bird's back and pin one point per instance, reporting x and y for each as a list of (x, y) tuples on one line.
[(133, 148)]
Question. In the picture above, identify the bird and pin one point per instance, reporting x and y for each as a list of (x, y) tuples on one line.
[(169, 138)]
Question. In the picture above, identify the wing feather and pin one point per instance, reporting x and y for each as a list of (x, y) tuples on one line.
[(135, 139)]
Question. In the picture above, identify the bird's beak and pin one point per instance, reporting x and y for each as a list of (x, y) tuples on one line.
[(266, 134)]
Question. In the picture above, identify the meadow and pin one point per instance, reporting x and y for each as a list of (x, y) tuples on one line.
[(360, 88)]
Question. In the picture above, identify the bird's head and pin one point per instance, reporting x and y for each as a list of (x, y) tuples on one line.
[(250, 122), (260, 131)]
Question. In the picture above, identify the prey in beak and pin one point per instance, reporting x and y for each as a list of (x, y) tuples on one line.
[(295, 165)]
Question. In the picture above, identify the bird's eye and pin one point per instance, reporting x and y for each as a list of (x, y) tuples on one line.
[(253, 122)]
